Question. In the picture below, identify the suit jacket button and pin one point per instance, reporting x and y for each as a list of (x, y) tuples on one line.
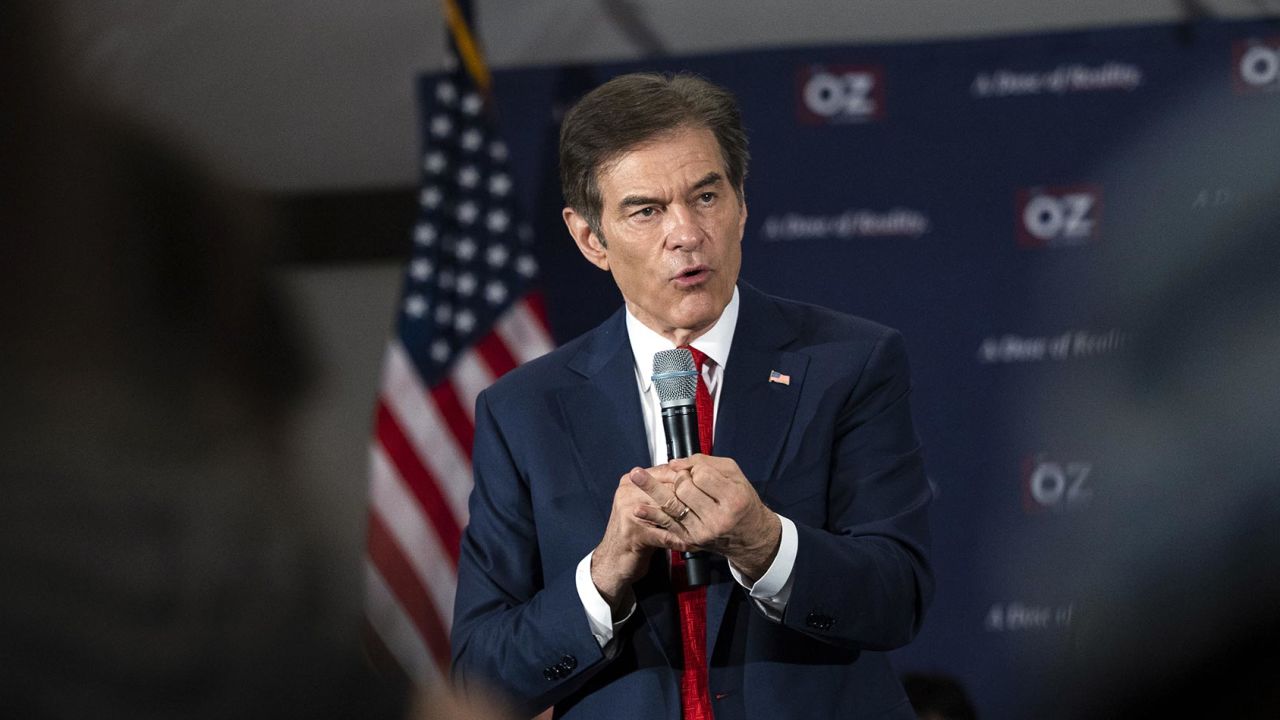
[(819, 621), (549, 673), (569, 662)]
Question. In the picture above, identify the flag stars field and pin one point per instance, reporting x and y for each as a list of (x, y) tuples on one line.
[(430, 197), (461, 324), (420, 269), (467, 212), (468, 176), (495, 292), (499, 184), (466, 249), (446, 93), (435, 162), (497, 256), (415, 306), (441, 125), (526, 266), (497, 221)]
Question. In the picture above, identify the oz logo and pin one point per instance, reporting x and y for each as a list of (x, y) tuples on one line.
[(839, 94), (1256, 65), (1054, 485), (1051, 216)]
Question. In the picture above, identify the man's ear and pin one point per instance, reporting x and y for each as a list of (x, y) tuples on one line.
[(587, 240)]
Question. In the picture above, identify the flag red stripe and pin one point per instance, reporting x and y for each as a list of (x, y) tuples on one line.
[(407, 587), (495, 354), (539, 308), (459, 422), (419, 480)]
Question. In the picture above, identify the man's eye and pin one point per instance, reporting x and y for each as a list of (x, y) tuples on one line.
[(707, 197), (646, 212)]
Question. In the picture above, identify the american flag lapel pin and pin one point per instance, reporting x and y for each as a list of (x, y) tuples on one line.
[(777, 377)]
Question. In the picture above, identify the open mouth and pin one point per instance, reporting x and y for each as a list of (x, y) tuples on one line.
[(692, 274)]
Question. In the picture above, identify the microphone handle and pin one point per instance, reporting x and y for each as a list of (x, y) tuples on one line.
[(697, 567), (680, 425)]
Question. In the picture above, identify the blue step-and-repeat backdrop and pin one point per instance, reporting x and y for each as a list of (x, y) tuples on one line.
[(1019, 208)]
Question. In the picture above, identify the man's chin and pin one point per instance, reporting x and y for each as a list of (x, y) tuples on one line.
[(700, 315)]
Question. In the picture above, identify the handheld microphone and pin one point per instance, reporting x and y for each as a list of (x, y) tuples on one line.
[(675, 377)]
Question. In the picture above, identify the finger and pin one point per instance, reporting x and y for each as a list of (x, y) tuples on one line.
[(719, 480), (664, 473), (631, 492), (681, 478), (705, 480), (652, 532), (662, 494), (696, 464), (683, 464), (652, 516), (699, 502), (697, 459), (724, 465)]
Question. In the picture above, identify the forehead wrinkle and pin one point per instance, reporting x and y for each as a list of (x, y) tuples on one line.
[(711, 178), (655, 196)]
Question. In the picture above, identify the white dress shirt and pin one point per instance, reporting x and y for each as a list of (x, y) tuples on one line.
[(772, 589)]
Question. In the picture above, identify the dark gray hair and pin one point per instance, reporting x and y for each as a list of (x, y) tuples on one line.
[(632, 109)]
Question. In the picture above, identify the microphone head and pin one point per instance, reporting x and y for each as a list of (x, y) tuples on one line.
[(675, 377)]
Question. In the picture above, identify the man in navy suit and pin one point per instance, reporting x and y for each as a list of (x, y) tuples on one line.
[(813, 498)]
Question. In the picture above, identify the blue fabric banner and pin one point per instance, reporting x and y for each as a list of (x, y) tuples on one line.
[(984, 197)]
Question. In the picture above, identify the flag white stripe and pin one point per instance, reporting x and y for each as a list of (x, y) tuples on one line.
[(469, 376), (397, 631), (432, 440), (523, 333), (399, 511)]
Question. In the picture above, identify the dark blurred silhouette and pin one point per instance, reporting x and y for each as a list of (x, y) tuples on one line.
[(936, 696), (1174, 566), (155, 562), (1177, 569)]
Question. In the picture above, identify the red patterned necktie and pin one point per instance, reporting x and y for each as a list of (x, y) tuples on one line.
[(695, 700)]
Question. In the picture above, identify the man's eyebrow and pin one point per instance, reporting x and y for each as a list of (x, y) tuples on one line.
[(711, 178), (637, 200)]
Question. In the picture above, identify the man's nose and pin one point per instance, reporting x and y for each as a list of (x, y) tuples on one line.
[(684, 232)]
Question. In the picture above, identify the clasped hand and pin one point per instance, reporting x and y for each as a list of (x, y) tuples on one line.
[(700, 502)]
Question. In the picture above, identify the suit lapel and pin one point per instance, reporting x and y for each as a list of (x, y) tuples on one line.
[(603, 413), (755, 415), (607, 430)]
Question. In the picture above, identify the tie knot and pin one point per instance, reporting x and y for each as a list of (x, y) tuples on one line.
[(699, 357)]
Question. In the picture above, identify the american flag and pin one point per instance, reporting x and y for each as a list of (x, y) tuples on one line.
[(466, 317)]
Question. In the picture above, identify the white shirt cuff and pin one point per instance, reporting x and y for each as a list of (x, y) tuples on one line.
[(773, 589), (599, 616)]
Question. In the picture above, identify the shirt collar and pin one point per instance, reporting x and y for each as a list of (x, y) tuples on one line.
[(714, 343)]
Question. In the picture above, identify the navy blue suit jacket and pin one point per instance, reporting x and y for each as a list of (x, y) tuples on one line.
[(834, 451)]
